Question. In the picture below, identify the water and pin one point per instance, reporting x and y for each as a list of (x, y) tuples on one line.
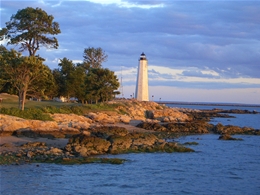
[(217, 167), (242, 120), (210, 107)]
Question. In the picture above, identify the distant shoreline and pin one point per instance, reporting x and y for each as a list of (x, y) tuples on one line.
[(208, 104)]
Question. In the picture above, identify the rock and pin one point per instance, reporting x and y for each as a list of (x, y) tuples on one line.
[(230, 129), (125, 119), (29, 154), (55, 151), (188, 127), (18, 155), (170, 115), (106, 131), (34, 145), (151, 126), (6, 145), (143, 139), (119, 144), (228, 137), (185, 127), (64, 124), (87, 145)]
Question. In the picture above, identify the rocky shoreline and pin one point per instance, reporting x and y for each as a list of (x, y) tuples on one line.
[(145, 128)]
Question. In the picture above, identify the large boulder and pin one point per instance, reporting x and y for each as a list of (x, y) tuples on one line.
[(188, 127), (228, 137), (10, 124), (230, 129), (85, 145), (63, 125), (185, 127), (170, 115), (120, 144)]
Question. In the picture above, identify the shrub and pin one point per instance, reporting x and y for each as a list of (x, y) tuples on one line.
[(63, 109), (30, 113)]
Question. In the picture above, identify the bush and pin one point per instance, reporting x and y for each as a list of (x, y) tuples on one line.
[(30, 113), (63, 109)]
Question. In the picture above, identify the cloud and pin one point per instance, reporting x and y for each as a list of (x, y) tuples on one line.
[(201, 44)]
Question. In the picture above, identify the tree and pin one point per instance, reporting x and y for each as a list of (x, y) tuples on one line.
[(30, 28), (24, 73), (94, 57), (70, 79), (101, 85), (3, 79)]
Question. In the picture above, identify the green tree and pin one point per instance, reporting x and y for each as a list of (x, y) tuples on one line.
[(25, 74), (94, 57), (31, 28), (70, 79), (101, 85), (3, 78), (44, 86)]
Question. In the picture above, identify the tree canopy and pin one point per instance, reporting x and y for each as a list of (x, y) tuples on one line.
[(70, 79), (31, 28), (27, 74), (94, 57), (94, 85), (101, 85)]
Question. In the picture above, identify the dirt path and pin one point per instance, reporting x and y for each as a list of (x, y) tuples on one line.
[(131, 127)]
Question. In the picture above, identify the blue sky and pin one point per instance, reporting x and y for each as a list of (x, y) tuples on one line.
[(198, 51)]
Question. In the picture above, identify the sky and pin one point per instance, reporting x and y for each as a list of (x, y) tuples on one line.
[(197, 51)]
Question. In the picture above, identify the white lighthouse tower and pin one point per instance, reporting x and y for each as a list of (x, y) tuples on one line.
[(141, 91)]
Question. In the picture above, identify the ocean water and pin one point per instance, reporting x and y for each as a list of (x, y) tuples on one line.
[(217, 167), (241, 120)]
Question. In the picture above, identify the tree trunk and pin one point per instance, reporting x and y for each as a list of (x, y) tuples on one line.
[(20, 95), (23, 100)]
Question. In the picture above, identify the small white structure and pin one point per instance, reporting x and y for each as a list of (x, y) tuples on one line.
[(141, 91), (60, 99)]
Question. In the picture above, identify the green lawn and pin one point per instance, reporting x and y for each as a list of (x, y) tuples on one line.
[(37, 109)]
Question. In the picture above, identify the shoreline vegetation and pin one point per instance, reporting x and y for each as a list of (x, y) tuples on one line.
[(71, 133)]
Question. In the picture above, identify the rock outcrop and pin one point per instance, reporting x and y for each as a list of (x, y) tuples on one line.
[(196, 127), (230, 129), (116, 140), (64, 125), (228, 137)]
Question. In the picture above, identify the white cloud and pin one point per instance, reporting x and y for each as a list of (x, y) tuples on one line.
[(189, 44), (128, 4)]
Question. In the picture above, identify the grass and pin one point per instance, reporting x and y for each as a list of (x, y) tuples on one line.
[(40, 109), (30, 113)]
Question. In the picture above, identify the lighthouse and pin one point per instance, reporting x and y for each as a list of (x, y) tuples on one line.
[(141, 91)]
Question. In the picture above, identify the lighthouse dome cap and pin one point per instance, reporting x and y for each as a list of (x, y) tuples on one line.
[(143, 57)]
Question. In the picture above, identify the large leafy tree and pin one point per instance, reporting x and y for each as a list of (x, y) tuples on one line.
[(101, 85), (94, 57), (70, 79), (3, 78), (27, 74), (31, 28)]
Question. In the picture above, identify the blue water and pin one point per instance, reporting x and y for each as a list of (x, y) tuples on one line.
[(217, 167), (242, 120), (210, 107)]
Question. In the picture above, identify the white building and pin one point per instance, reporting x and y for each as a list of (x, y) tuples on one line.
[(141, 91)]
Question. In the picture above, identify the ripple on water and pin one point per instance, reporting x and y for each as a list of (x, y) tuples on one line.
[(220, 167)]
